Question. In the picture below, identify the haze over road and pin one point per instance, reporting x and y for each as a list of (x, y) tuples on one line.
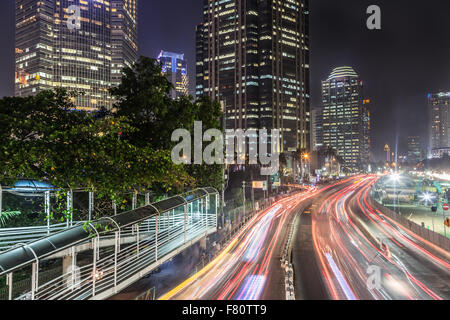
[(354, 243), (344, 249), (249, 268)]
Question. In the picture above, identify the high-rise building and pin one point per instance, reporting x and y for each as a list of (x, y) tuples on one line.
[(124, 36), (439, 122), (74, 44), (317, 128), (175, 67), (346, 118), (253, 56), (414, 149)]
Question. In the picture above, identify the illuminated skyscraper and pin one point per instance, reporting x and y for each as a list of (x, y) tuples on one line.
[(124, 36), (254, 57), (439, 122), (346, 118), (317, 128), (175, 67), (414, 149), (54, 48)]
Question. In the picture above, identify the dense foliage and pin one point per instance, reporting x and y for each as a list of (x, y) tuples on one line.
[(128, 149), (143, 97)]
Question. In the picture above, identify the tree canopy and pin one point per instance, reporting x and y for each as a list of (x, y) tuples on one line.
[(44, 137), (143, 97)]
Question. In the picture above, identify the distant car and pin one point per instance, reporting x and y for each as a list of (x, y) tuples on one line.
[(385, 249)]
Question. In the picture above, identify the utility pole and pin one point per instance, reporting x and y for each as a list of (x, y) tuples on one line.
[(253, 191)]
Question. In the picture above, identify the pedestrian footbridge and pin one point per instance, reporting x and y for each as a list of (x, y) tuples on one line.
[(95, 260)]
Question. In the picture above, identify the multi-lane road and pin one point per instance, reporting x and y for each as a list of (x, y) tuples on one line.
[(362, 254), (249, 267), (343, 249)]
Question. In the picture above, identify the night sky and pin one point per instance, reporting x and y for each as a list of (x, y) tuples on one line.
[(400, 65)]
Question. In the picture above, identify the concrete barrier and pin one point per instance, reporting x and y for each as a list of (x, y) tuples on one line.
[(431, 236)]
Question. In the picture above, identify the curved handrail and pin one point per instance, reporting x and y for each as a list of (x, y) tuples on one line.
[(12, 259)]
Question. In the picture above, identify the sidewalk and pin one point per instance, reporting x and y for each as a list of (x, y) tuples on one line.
[(433, 221)]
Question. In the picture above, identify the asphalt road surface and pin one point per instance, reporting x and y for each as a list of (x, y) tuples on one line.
[(359, 253), (249, 268)]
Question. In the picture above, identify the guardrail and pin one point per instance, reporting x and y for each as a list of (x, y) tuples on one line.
[(286, 262), (11, 237), (429, 235), (101, 258)]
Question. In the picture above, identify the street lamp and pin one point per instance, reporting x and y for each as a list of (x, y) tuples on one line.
[(305, 168), (427, 197)]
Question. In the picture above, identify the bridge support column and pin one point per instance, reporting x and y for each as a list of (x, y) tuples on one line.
[(69, 269), (134, 202), (185, 221), (47, 209), (138, 240), (203, 243), (91, 205), (1, 192), (157, 234), (70, 207), (205, 213), (34, 279), (114, 205), (95, 252), (116, 252), (9, 283)]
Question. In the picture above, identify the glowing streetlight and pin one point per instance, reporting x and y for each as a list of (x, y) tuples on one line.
[(395, 177), (427, 197)]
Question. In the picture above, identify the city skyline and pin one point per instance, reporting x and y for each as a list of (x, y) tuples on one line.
[(54, 49), (374, 53), (232, 150)]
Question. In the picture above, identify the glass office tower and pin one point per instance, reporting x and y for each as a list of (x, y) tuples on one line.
[(346, 118), (55, 50), (439, 122), (175, 67), (253, 56)]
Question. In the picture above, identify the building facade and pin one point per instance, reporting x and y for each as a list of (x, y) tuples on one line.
[(317, 128), (414, 149), (74, 44), (253, 57), (124, 37), (346, 118), (175, 67), (439, 121)]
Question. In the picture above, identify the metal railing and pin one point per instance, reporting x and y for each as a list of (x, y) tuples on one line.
[(110, 254), (11, 237)]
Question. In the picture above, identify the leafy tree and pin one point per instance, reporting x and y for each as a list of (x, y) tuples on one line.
[(143, 97), (209, 113), (43, 137)]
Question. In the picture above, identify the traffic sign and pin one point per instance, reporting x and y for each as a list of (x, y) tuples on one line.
[(445, 206), (259, 185)]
